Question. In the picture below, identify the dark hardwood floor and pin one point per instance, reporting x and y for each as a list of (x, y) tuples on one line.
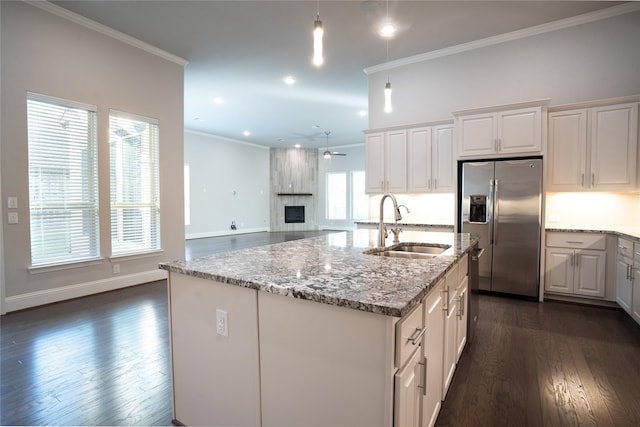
[(104, 360), (549, 364)]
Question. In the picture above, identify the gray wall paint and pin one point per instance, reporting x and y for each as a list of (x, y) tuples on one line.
[(581, 63), (219, 167), (46, 54)]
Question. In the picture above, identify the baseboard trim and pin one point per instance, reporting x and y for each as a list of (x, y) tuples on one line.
[(34, 299), (225, 233)]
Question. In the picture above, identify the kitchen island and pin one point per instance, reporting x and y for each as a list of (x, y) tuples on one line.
[(312, 331)]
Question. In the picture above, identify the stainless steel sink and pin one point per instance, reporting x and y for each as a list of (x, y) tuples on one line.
[(420, 248), (410, 250)]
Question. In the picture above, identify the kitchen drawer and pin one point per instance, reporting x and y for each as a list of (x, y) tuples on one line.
[(625, 248), (463, 270), (410, 326), (577, 240)]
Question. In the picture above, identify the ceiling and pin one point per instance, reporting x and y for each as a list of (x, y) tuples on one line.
[(241, 50)]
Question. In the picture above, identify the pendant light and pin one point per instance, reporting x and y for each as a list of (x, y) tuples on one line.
[(387, 97), (318, 32), (387, 89)]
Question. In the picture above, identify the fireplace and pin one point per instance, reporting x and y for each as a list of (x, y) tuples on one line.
[(293, 214)]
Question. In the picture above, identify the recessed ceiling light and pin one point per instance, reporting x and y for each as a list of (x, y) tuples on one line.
[(362, 113), (297, 145), (387, 30), (246, 133), (289, 80), (218, 100)]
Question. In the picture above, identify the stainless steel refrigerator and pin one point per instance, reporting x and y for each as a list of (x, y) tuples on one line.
[(501, 201)]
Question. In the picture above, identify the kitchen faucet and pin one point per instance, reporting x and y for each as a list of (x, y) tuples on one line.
[(382, 229)]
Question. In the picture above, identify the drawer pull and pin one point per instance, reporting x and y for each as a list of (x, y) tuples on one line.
[(417, 336), (577, 242)]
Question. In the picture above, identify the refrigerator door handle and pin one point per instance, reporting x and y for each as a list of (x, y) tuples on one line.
[(496, 212)]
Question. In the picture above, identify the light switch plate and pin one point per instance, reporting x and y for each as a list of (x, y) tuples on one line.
[(12, 217), (12, 202)]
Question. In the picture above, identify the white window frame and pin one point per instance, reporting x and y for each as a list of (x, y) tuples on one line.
[(349, 196), (76, 239), (147, 238)]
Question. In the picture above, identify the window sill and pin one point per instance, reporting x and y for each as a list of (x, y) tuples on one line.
[(136, 255), (46, 268)]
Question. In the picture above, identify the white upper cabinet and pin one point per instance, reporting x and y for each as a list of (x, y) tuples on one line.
[(593, 148), (413, 160), (430, 160), (567, 150), (386, 162), (374, 163), (500, 133), (614, 144)]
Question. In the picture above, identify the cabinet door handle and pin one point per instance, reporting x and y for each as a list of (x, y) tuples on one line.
[(593, 179), (576, 242), (424, 376), (573, 261), (577, 260), (628, 272), (417, 336), (435, 183), (582, 181), (446, 307)]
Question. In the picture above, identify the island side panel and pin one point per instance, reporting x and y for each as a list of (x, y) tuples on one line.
[(216, 379), (324, 365)]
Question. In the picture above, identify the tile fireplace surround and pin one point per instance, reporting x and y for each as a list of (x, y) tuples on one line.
[(293, 182)]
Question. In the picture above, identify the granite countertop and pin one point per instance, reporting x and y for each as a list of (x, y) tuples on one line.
[(406, 224), (625, 232), (333, 269)]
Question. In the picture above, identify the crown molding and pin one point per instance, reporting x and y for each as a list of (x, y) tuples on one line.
[(560, 24), (224, 138), (103, 29)]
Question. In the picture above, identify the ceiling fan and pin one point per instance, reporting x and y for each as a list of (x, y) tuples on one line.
[(327, 154)]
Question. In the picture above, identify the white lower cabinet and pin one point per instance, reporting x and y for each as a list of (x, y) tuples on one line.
[(635, 308), (571, 268), (433, 354), (624, 275), (408, 392)]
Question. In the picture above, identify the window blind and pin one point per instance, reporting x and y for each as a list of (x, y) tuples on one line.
[(135, 195), (63, 181)]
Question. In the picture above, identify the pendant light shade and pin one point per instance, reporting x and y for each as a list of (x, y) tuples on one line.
[(387, 98), (318, 32)]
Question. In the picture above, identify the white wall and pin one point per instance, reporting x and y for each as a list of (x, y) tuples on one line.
[(229, 181), (46, 54), (353, 161), (586, 62)]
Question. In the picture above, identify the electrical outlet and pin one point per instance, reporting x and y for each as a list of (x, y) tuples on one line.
[(12, 217), (222, 322), (116, 268)]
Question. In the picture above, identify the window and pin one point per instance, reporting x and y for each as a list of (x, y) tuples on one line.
[(63, 181), (359, 198), (336, 195), (187, 195), (135, 199), (345, 196)]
